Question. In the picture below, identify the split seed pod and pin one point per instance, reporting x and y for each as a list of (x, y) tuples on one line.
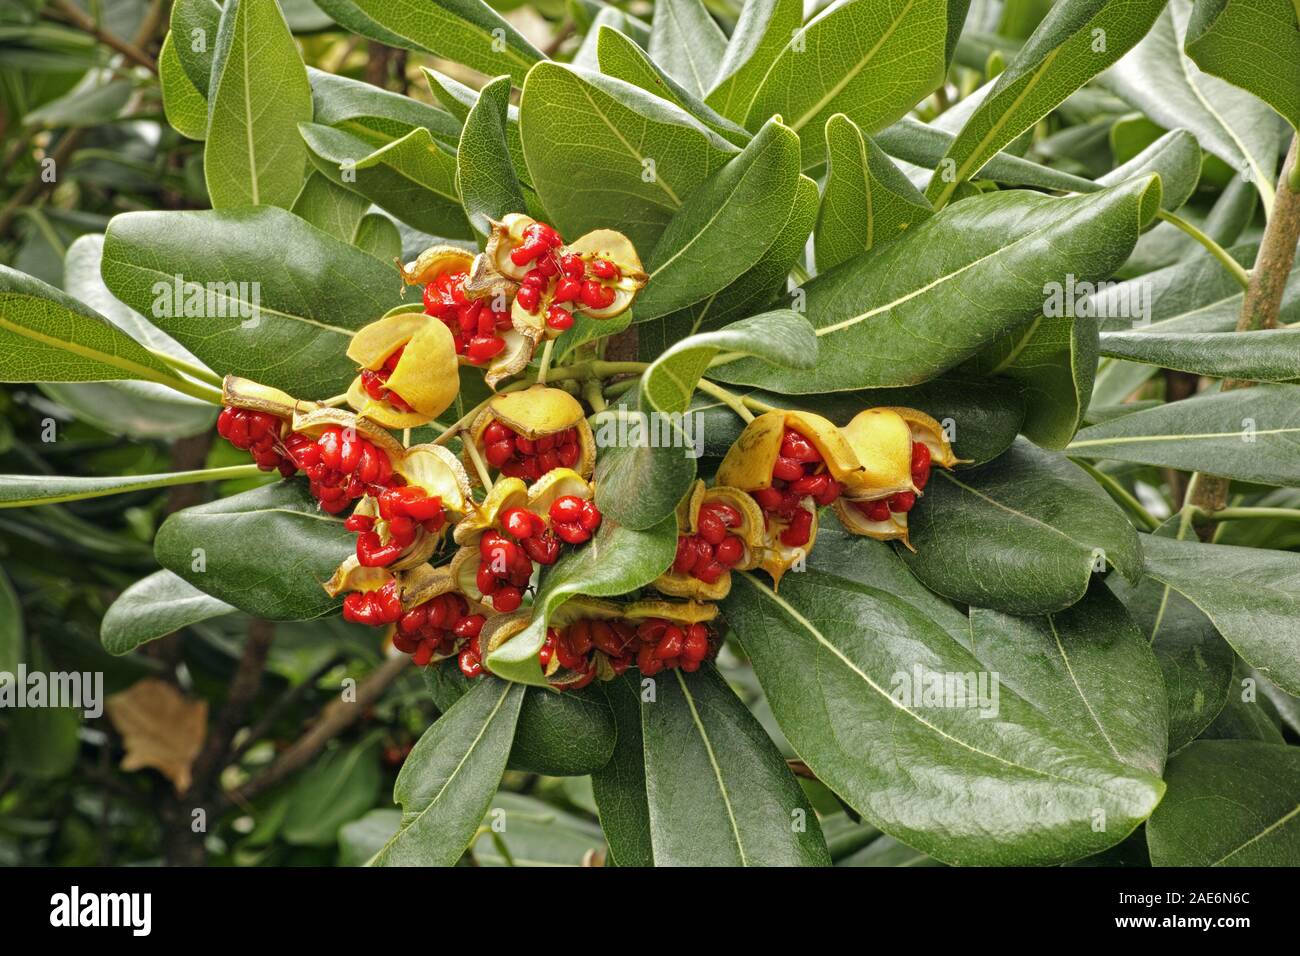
[(750, 531), (316, 421), (536, 413), (245, 393), (424, 376)]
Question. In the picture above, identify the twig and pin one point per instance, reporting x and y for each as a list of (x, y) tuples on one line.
[(730, 399), (263, 725), (335, 718), (83, 21)]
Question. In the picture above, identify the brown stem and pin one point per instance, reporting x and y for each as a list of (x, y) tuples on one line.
[(243, 691), (262, 727), (36, 186), (83, 21), (1259, 310), (335, 718)]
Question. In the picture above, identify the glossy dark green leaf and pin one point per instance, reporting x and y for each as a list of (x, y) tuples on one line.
[(619, 787), (1247, 715), (484, 173), (653, 155), (563, 735), (1230, 803), (154, 607), (23, 491), (762, 30), (617, 560), (648, 453), (49, 336), (1175, 156), (1246, 433), (1088, 669), (339, 786), (466, 31), (725, 227), (259, 94), (529, 832), (379, 116), (1266, 355), (136, 409), (265, 551), (871, 60), (1251, 595), (955, 283), (687, 43), (1224, 38), (867, 199), (1063, 54), (330, 208), (1017, 789), (449, 777), (1023, 534), (620, 57), (313, 291), (1159, 79), (413, 176), (1054, 360)]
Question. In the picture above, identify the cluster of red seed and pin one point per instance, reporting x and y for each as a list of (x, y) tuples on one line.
[(375, 382), (518, 457), (437, 627), (375, 608), (902, 502), (341, 465), (798, 473), (506, 559), (713, 549), (257, 433), (653, 645), (573, 283), (475, 324), (406, 509)]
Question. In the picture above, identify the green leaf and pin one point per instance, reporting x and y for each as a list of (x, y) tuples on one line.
[(619, 787), (377, 115), (22, 491), (871, 60), (1054, 360), (363, 837), (1248, 434), (48, 336), (559, 735), (619, 57), (330, 208), (762, 31), (484, 173), (718, 791), (941, 779), (725, 227), (339, 786), (447, 782), (1175, 157), (266, 551), (1251, 595), (687, 43), (1159, 79), (194, 26), (185, 107), (466, 31), (136, 409), (312, 291), (534, 834), (379, 236), (1195, 661), (640, 479), (1230, 803), (1266, 355), (1030, 528), (946, 289), (653, 154), (1227, 38), (616, 561), (925, 145), (1247, 715), (11, 627), (413, 177), (154, 607), (867, 200), (259, 95), (1064, 53), (1088, 669)]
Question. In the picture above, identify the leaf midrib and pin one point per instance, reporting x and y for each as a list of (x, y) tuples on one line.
[(713, 762)]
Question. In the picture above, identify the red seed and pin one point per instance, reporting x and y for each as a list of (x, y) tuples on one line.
[(604, 269), (498, 453), (496, 431), (528, 297), (591, 516), (567, 290), (518, 521), (670, 645), (486, 579), (902, 502), (469, 626), (769, 499), (507, 599), (799, 531), (543, 548), (920, 464), (729, 551), (794, 445), (685, 559), (709, 571), (572, 533), (566, 509), (559, 318), (787, 469), (711, 528), (728, 515), (696, 645), (481, 348)]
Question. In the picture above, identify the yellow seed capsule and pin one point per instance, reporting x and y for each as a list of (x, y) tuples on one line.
[(534, 413), (424, 377), (882, 442), (750, 532)]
